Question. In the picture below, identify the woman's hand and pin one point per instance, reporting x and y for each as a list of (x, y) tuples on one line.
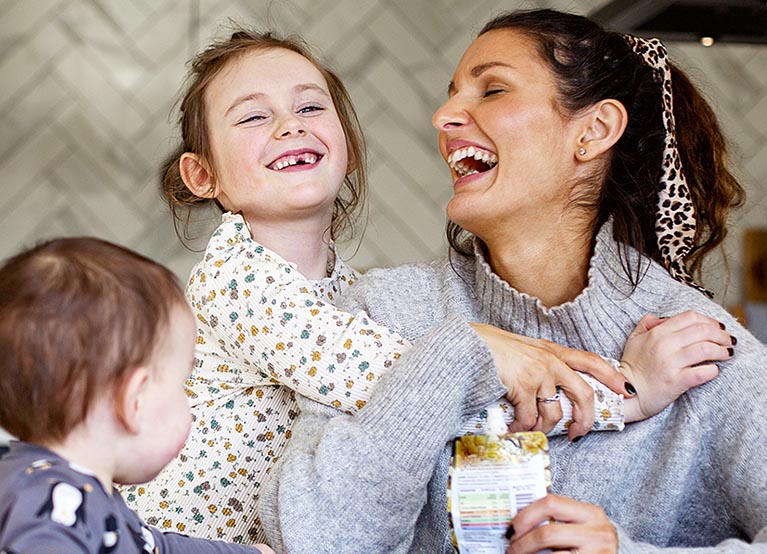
[(532, 369), (665, 357), (577, 527)]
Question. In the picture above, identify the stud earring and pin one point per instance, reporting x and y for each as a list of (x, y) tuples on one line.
[(581, 151), (211, 190)]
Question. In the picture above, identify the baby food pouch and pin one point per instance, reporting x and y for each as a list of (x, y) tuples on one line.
[(492, 477)]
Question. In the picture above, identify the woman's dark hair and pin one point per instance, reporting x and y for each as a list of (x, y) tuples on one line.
[(590, 64), (204, 68)]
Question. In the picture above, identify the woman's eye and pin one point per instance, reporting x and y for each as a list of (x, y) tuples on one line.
[(311, 108), (492, 91)]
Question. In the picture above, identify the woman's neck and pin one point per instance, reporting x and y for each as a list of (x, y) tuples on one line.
[(305, 243), (549, 262)]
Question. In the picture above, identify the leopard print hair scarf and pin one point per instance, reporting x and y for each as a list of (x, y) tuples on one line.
[(675, 217)]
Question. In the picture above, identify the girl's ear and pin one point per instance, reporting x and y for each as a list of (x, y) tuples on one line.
[(129, 400), (605, 123), (197, 175)]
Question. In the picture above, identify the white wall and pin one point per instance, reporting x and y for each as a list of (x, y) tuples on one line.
[(87, 86)]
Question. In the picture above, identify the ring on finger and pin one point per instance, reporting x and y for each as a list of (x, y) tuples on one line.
[(549, 400)]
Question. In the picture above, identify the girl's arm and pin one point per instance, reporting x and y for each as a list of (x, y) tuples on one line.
[(262, 315)]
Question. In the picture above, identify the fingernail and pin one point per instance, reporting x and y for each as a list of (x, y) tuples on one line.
[(722, 326), (510, 531), (577, 439), (630, 388), (731, 351), (734, 340)]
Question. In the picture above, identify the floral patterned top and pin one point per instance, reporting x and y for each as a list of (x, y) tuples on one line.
[(265, 333)]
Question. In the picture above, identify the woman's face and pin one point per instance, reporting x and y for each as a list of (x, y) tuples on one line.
[(279, 149), (510, 150)]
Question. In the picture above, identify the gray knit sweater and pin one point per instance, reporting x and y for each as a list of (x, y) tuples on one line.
[(692, 476)]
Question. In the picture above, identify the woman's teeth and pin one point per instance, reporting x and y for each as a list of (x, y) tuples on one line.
[(470, 160), (287, 161)]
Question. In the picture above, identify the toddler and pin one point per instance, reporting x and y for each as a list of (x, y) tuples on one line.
[(97, 342)]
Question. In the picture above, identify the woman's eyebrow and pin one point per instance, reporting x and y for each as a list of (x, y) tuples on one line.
[(478, 70)]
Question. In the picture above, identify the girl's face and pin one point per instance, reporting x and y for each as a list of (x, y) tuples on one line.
[(279, 151), (508, 147)]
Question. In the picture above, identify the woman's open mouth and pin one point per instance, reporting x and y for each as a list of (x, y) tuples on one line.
[(470, 160)]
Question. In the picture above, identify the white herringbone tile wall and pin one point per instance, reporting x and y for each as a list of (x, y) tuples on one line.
[(87, 88)]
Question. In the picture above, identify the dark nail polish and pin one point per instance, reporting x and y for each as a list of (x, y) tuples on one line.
[(577, 439), (630, 388), (731, 351), (734, 340), (722, 326), (510, 531)]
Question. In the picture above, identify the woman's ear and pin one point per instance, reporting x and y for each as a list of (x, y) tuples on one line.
[(605, 123), (197, 175), (129, 399)]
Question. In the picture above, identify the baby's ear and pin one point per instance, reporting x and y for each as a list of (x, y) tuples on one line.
[(129, 399)]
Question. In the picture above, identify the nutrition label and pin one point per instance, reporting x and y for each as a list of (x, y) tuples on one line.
[(491, 479)]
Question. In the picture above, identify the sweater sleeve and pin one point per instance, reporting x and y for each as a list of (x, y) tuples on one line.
[(730, 422), (364, 476), (260, 311)]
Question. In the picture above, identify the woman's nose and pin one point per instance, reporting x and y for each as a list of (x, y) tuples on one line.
[(450, 115)]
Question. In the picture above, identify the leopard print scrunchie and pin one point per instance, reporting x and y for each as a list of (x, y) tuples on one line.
[(675, 217)]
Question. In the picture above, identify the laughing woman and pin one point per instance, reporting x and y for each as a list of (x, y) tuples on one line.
[(590, 181)]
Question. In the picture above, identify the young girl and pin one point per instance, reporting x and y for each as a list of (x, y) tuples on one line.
[(270, 136)]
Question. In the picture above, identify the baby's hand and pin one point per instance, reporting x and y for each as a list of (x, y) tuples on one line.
[(664, 357)]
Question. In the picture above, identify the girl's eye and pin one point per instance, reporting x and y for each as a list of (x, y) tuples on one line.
[(492, 91), (311, 108), (252, 119)]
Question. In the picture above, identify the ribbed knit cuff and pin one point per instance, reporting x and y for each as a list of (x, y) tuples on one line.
[(448, 375)]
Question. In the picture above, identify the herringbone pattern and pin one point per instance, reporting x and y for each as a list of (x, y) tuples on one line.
[(87, 86)]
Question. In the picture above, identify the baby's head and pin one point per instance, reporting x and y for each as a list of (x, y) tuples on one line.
[(213, 64), (88, 327)]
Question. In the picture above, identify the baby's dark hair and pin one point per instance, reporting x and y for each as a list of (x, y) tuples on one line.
[(76, 316)]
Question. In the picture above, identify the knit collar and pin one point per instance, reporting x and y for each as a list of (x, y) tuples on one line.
[(607, 303)]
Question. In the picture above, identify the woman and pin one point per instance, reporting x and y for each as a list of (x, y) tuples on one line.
[(560, 138)]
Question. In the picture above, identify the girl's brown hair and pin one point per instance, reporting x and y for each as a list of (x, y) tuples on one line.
[(77, 315), (590, 64), (194, 128)]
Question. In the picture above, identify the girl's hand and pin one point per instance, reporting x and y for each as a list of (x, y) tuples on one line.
[(577, 527), (664, 357), (532, 369)]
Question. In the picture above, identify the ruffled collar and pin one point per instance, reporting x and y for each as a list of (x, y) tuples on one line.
[(234, 230)]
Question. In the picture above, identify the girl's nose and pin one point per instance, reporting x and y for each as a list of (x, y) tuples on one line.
[(450, 115), (289, 126)]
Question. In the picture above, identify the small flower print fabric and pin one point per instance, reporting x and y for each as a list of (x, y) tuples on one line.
[(264, 332)]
